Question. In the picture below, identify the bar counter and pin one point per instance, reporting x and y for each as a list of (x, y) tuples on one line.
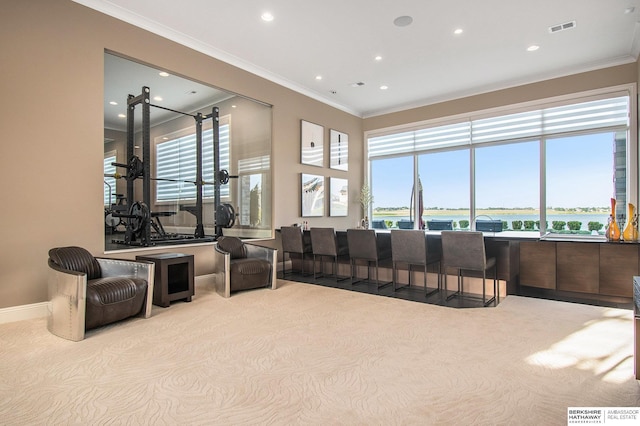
[(558, 266)]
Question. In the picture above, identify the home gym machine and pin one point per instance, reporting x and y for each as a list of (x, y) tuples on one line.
[(139, 219)]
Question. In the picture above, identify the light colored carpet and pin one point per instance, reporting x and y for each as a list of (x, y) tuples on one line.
[(306, 354)]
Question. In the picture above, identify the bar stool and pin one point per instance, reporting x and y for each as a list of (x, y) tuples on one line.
[(293, 243), (465, 251), (363, 245), (324, 243), (410, 247)]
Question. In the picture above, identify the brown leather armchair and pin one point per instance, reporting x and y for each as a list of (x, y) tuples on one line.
[(86, 292), (243, 266)]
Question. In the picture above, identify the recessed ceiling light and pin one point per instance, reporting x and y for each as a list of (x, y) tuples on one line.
[(163, 74), (533, 48), (157, 98), (234, 106), (267, 17), (378, 58), (383, 87), (403, 21), (458, 31), (318, 77), (113, 103), (122, 116)]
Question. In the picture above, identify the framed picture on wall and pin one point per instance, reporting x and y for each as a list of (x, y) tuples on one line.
[(312, 195), (339, 197), (339, 150), (311, 143)]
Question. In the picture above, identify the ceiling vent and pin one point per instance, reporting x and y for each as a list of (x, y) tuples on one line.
[(357, 84), (562, 27)]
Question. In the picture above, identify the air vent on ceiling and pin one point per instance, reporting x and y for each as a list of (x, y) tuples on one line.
[(357, 84), (562, 27)]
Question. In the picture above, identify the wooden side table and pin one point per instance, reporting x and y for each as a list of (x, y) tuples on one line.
[(174, 277)]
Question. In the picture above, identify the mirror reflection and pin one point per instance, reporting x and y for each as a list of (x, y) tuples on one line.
[(183, 162)]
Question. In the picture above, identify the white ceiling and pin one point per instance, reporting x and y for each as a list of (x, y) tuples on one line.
[(422, 63), (123, 77)]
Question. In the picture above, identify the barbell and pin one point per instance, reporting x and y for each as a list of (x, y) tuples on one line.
[(135, 170)]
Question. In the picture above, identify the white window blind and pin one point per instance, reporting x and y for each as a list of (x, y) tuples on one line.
[(253, 165), (397, 143), (586, 116), (512, 126), (176, 160), (598, 114), (442, 136), (109, 182)]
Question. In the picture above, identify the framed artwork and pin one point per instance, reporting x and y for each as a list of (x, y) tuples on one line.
[(311, 143), (339, 197), (312, 195), (339, 150)]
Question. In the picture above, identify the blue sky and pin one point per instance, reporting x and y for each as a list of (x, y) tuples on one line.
[(579, 174)]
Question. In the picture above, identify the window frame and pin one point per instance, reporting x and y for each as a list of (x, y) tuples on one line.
[(632, 160)]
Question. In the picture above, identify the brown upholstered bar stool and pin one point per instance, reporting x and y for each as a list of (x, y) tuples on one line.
[(293, 242), (363, 245), (325, 244), (465, 251), (410, 247)]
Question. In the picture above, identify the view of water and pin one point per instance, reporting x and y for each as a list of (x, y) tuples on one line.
[(584, 218)]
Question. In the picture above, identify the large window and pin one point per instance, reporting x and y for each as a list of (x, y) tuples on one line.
[(580, 179), (393, 180), (176, 162), (507, 184), (552, 169), (445, 181)]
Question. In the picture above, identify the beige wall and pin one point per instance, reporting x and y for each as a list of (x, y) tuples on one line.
[(52, 122), (608, 77)]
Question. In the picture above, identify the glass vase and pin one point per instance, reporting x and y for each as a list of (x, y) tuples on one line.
[(630, 232), (613, 230)]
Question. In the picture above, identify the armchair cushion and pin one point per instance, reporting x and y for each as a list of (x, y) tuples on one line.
[(76, 259), (234, 246), (113, 299)]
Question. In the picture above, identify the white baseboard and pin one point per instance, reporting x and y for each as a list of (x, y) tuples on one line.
[(23, 312), (39, 310)]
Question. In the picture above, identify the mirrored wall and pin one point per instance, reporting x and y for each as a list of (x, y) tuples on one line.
[(183, 162)]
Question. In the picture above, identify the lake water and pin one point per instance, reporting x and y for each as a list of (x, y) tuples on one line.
[(584, 218)]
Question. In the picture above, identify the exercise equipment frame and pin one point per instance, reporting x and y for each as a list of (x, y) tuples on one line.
[(139, 227)]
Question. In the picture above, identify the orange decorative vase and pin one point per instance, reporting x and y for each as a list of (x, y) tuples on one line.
[(630, 232), (613, 230)]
